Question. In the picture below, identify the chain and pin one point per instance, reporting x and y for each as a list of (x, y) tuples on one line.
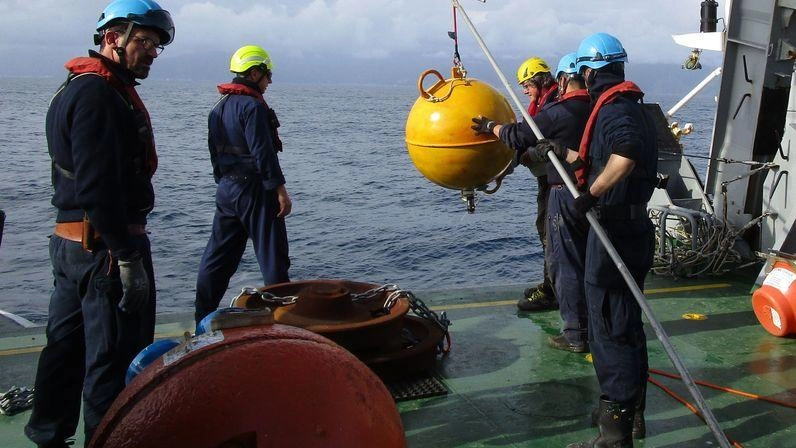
[(393, 292), (372, 293), (416, 305), (16, 400), (267, 297)]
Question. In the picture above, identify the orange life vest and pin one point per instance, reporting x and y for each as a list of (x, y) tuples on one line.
[(83, 64), (240, 89)]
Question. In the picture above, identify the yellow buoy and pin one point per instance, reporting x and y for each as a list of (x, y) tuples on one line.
[(439, 138)]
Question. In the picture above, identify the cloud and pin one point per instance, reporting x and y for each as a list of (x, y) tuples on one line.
[(365, 31)]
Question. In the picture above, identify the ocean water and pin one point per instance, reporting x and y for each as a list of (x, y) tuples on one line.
[(361, 211)]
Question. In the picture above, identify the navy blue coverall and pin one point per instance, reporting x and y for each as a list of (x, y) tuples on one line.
[(519, 136), (97, 139), (243, 146), (562, 120), (616, 334)]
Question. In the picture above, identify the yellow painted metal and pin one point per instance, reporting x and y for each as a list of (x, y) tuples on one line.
[(439, 138)]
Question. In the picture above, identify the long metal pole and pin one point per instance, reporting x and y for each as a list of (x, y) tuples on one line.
[(609, 247), (694, 91)]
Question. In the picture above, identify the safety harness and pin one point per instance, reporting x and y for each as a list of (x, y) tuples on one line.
[(82, 66), (624, 88)]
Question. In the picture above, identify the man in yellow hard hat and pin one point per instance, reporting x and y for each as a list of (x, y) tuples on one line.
[(251, 198), (541, 87), (538, 83)]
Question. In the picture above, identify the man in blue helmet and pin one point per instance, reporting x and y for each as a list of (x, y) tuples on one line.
[(561, 123), (617, 174), (102, 309), (251, 198), (566, 229)]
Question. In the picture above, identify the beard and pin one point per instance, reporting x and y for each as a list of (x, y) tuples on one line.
[(141, 67)]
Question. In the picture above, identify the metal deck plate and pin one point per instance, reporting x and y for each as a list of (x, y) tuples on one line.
[(416, 387)]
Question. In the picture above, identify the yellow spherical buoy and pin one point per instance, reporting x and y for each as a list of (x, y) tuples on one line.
[(439, 138)]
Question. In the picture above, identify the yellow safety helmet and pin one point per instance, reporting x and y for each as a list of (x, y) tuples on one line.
[(249, 56), (531, 68)]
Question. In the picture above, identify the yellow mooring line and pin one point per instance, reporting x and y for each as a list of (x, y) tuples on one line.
[(34, 343)]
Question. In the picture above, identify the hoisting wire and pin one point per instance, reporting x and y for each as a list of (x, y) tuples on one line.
[(457, 60), (710, 419), (509, 169)]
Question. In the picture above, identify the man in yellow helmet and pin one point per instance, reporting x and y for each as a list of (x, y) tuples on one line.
[(251, 198), (538, 83)]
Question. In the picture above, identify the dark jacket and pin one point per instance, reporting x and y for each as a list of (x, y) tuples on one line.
[(562, 120), (623, 127), (242, 136), (100, 142)]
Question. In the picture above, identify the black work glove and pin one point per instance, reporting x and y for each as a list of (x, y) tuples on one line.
[(585, 202), (539, 152), (135, 284), (483, 125), (524, 157)]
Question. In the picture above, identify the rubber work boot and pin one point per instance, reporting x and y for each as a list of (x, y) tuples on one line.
[(538, 298), (615, 423), (639, 423), (561, 342)]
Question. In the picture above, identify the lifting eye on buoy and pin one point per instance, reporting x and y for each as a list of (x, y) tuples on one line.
[(441, 142)]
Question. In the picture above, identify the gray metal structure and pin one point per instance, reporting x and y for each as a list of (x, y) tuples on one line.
[(745, 209)]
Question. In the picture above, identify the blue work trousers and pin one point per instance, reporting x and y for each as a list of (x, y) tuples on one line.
[(566, 257), (244, 209), (90, 341), (616, 332)]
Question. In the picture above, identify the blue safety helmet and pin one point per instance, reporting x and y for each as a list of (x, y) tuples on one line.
[(599, 50), (567, 65), (145, 13)]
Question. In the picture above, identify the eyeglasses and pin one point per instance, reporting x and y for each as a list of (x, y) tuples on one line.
[(267, 73), (148, 44)]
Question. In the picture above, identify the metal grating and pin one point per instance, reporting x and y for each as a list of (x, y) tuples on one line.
[(416, 387)]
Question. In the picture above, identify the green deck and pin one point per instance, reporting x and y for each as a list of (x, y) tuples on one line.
[(507, 388)]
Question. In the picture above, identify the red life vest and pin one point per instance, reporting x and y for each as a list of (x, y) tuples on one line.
[(535, 106), (240, 89), (579, 95), (83, 65), (607, 97)]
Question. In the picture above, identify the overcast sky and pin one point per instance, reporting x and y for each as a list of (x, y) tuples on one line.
[(37, 36)]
